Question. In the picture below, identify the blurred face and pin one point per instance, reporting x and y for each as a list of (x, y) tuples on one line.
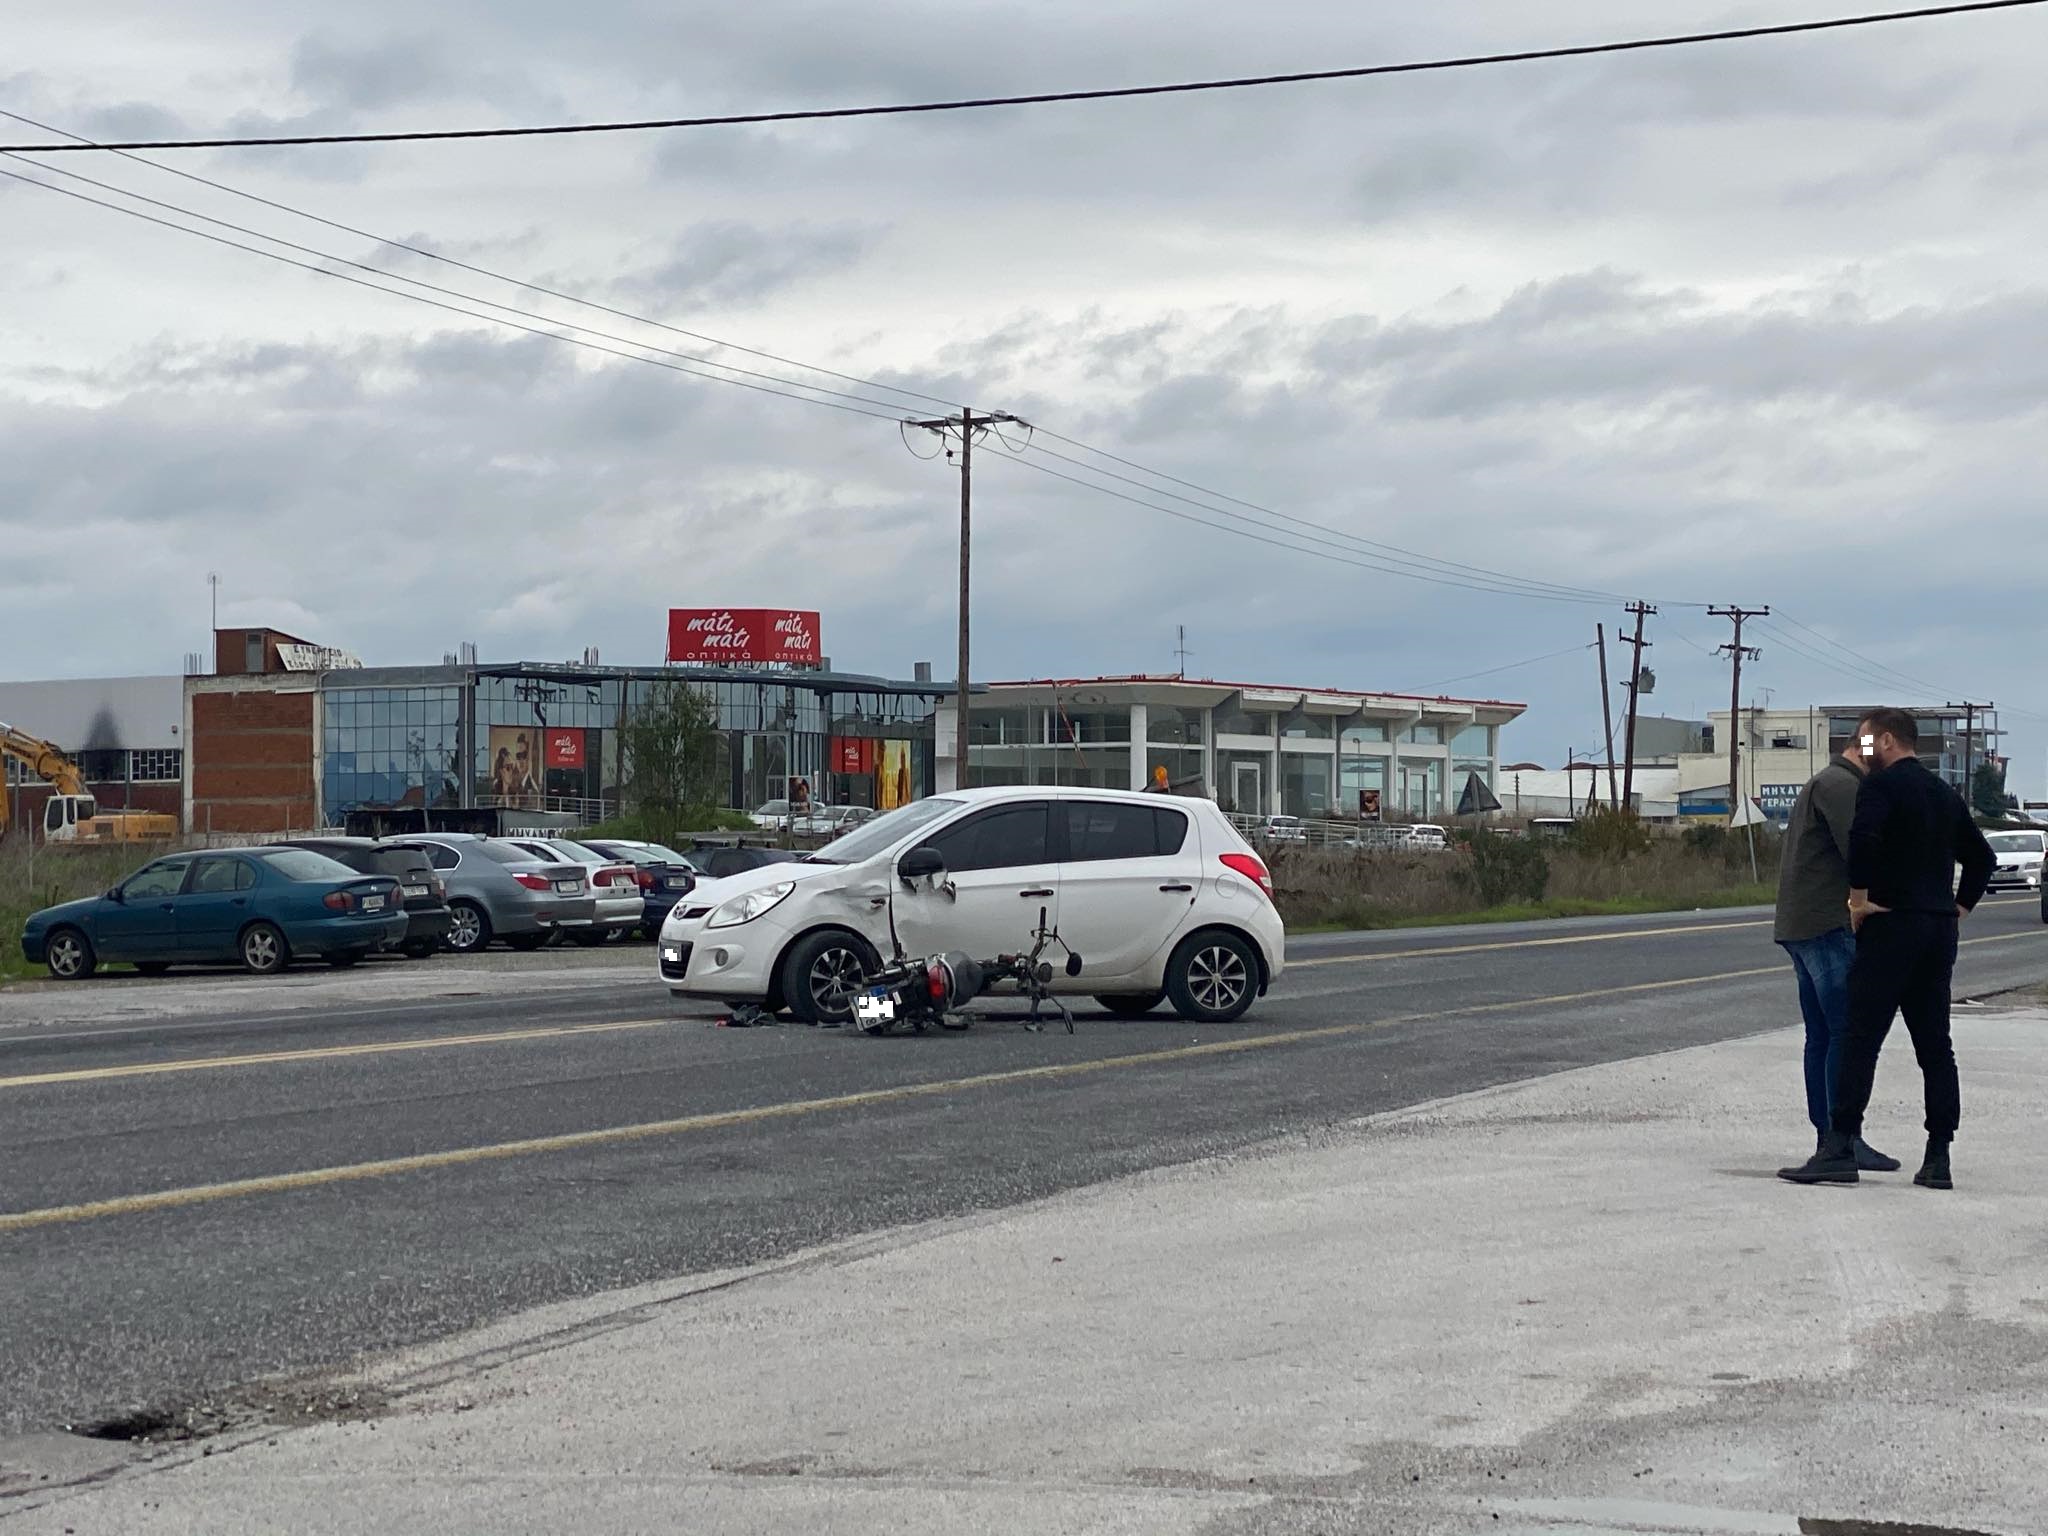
[(1875, 748)]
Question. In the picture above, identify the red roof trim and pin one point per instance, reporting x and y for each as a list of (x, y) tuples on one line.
[(1204, 682)]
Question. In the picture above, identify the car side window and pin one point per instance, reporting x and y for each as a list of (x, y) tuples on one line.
[(215, 877), (1098, 830), (1008, 837), (443, 856), (165, 879), (245, 875)]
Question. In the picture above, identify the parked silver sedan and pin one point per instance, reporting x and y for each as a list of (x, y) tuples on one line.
[(614, 887), (497, 889)]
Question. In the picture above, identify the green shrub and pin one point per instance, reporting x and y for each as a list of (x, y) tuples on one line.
[(1611, 836), (1502, 870), (656, 826)]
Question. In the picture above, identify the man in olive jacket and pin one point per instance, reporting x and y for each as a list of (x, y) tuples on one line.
[(1813, 928)]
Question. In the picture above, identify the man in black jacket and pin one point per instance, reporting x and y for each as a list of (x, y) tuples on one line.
[(1910, 832)]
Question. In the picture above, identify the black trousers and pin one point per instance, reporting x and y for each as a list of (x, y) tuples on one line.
[(1905, 963)]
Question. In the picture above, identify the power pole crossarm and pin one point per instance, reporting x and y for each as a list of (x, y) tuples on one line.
[(1737, 652), (965, 426)]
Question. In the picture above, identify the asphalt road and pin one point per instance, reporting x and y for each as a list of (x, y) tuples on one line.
[(192, 1205)]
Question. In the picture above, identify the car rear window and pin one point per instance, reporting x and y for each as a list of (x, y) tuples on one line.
[(303, 864), (1109, 830), (506, 853), (399, 861)]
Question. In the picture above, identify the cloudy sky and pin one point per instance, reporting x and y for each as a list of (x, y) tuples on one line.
[(1750, 323)]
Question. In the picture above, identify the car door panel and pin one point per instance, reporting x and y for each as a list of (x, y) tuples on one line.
[(999, 877), (1129, 874), (214, 907), (143, 925)]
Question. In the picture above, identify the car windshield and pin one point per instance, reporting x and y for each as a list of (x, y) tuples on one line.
[(774, 808), (624, 852), (304, 864), (2015, 842), (886, 831), (507, 853), (575, 852), (663, 854)]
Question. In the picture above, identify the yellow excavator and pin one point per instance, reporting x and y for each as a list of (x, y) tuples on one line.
[(71, 815)]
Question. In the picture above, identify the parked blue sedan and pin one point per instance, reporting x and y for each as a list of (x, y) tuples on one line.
[(260, 906)]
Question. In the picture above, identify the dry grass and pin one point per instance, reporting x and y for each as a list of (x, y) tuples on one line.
[(1329, 889), (30, 883)]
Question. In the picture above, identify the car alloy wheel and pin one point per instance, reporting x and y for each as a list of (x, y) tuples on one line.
[(263, 949), (67, 956), (1217, 978), (835, 975), (465, 929)]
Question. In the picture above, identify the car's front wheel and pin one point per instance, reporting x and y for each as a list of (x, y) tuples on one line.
[(263, 949), (69, 955), (1132, 1005), (1213, 977), (823, 973), (468, 929)]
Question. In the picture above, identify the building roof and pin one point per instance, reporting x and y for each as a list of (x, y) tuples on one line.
[(1264, 691)]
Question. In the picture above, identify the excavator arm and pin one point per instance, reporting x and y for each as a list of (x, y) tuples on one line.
[(41, 759)]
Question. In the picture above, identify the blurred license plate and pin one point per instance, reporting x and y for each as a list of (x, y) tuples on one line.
[(568, 887), (415, 890), (874, 1008), (672, 954), (373, 903)]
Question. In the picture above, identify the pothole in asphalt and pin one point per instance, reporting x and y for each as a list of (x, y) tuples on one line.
[(278, 1407)]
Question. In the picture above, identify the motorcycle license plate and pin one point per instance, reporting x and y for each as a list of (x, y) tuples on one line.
[(874, 1008), (373, 903)]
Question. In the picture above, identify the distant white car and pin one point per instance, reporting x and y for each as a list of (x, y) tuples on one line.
[(1162, 899), (1282, 829), (2020, 857), (1428, 837), (774, 816)]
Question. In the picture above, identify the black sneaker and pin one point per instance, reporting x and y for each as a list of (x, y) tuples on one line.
[(1933, 1172), (1870, 1160), (1834, 1162)]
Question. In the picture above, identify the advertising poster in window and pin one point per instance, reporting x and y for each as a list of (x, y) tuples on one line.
[(895, 774), (1368, 805), (515, 766)]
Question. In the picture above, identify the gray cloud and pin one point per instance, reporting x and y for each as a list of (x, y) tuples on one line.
[(727, 262)]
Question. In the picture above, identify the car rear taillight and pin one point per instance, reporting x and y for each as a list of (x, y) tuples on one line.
[(440, 887), (600, 877), (643, 879), (1253, 868), (339, 901), (534, 882)]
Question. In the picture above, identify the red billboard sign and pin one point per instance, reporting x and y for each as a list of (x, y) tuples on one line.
[(564, 748), (785, 635)]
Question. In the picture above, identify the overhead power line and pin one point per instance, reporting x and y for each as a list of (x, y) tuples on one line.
[(455, 309), (1513, 666), (1041, 98), (471, 267)]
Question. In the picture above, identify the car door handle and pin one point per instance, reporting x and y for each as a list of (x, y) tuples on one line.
[(1045, 895), (167, 906), (1182, 889)]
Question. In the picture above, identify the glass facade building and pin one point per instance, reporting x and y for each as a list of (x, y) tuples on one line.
[(1256, 751), (540, 737)]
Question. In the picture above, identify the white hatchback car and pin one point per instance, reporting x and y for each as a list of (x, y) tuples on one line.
[(1160, 896), (2020, 859)]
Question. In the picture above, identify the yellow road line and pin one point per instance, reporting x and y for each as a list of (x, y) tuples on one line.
[(313, 1178), (323, 1053)]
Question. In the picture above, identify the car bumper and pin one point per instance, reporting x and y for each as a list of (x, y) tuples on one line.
[(2016, 880), (655, 907), (32, 948), (339, 935), (429, 924), (545, 916), (725, 964)]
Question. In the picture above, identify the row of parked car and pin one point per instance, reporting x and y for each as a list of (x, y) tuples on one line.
[(341, 899), (808, 820)]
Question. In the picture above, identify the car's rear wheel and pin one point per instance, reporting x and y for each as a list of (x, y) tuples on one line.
[(69, 955), (527, 943), (1133, 1005), (264, 951), (822, 974), (152, 967), (468, 929), (1213, 977)]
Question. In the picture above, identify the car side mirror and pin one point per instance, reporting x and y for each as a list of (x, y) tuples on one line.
[(922, 863), (1073, 963), (114, 895)]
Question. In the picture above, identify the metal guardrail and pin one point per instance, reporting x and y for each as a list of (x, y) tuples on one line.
[(1346, 836)]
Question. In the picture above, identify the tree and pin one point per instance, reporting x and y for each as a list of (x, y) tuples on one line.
[(1987, 792), (674, 765)]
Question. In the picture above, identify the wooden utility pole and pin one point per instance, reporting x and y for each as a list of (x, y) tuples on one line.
[(1736, 652), (965, 425), (1970, 712), (1635, 688), (1607, 717)]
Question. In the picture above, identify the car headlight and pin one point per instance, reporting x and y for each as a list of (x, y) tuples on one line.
[(744, 909)]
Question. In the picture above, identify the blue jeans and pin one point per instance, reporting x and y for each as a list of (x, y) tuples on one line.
[(1823, 968)]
